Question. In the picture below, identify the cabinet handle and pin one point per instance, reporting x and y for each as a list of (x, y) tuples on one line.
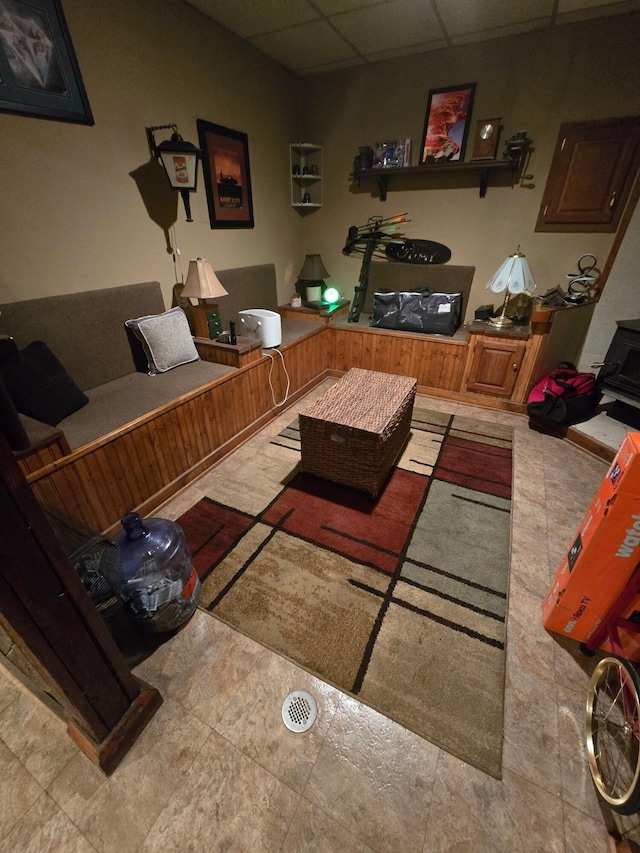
[(514, 367), (612, 201)]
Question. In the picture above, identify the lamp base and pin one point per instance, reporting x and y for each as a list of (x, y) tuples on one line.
[(501, 322)]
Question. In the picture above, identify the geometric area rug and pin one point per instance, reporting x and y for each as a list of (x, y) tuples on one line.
[(401, 601)]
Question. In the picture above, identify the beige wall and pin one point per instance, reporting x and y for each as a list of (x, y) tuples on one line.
[(535, 81), (71, 217)]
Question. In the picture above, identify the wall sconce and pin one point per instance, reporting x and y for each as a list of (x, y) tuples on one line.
[(513, 276), (204, 284), (180, 162)]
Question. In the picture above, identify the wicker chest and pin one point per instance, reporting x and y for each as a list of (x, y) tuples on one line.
[(355, 432)]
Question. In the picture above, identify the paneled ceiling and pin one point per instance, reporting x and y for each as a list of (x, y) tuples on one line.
[(315, 36)]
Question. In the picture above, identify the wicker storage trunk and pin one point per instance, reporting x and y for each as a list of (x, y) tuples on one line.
[(355, 432)]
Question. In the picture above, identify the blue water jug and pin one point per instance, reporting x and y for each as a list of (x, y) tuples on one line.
[(158, 584)]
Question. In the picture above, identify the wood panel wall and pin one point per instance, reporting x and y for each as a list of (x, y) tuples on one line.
[(139, 466), (436, 363)]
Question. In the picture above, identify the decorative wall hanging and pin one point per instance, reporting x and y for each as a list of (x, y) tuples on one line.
[(446, 125), (39, 73), (225, 164)]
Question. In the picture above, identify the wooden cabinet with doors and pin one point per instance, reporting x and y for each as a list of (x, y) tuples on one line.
[(494, 365), (591, 175)]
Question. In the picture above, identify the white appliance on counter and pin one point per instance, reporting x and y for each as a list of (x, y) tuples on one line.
[(264, 324)]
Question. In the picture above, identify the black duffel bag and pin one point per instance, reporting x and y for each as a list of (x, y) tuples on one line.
[(417, 311)]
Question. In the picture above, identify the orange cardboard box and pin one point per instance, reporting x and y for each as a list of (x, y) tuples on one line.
[(604, 553)]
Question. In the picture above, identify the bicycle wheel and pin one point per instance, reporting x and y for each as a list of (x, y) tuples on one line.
[(613, 733)]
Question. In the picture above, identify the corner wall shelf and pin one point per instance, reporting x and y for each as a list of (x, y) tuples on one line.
[(481, 167), (306, 175)]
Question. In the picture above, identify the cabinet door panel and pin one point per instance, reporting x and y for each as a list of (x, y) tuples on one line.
[(590, 177), (495, 367)]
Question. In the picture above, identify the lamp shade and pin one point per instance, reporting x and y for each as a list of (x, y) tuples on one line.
[(313, 269), (202, 282), (514, 276)]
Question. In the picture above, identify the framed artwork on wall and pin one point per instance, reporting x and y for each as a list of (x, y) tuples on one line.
[(39, 73), (446, 125), (225, 166)]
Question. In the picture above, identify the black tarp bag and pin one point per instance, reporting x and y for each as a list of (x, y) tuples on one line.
[(417, 311)]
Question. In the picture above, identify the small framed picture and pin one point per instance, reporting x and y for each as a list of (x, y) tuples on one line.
[(487, 136), (446, 125)]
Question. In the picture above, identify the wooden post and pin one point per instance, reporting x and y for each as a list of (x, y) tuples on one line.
[(46, 610)]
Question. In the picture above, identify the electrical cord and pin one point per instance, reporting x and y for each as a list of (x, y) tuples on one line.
[(175, 251), (284, 367)]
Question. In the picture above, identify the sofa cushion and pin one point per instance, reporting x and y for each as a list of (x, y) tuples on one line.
[(40, 387), (117, 403), (166, 339)]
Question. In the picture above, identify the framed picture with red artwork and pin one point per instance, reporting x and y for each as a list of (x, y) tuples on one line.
[(446, 125)]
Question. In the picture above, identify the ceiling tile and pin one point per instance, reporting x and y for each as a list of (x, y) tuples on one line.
[(315, 43), (248, 18), (581, 10), (394, 24), (331, 7), (399, 52), (575, 5), (500, 32), (332, 66), (471, 16)]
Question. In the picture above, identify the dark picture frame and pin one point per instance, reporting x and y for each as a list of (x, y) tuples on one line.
[(227, 177), (39, 72), (446, 125)]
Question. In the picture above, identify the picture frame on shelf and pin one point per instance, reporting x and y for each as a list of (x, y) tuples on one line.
[(39, 72), (446, 125), (227, 176), (486, 138)]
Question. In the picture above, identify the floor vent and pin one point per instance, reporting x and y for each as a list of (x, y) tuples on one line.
[(299, 711)]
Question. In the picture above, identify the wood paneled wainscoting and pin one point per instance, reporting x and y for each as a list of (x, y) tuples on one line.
[(142, 464), (437, 363)]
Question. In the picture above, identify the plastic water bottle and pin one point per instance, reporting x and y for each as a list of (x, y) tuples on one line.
[(158, 584)]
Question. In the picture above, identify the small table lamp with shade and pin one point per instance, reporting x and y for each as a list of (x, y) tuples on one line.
[(513, 277), (202, 283), (312, 274)]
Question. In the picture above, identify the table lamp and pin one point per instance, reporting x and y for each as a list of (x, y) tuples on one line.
[(312, 274), (202, 283), (513, 276)]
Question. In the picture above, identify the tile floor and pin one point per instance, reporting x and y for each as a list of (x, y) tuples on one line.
[(216, 770)]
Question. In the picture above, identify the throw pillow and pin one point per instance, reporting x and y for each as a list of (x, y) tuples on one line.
[(166, 339), (40, 387)]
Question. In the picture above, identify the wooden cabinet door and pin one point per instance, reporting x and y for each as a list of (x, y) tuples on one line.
[(495, 366), (593, 169)]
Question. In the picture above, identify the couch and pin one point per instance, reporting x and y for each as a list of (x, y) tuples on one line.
[(141, 438), (87, 334)]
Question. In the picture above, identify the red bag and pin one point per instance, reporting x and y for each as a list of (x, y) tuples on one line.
[(564, 397)]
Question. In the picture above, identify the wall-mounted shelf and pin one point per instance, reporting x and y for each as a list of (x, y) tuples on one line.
[(482, 168), (306, 174)]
